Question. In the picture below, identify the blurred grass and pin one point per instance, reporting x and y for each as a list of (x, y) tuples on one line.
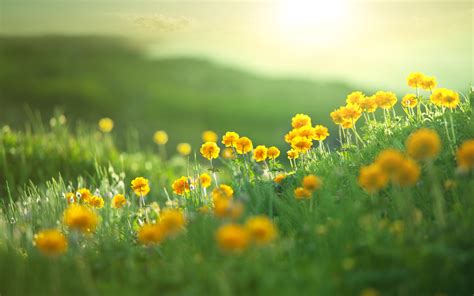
[(94, 77)]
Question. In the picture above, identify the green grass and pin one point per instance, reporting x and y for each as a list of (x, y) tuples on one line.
[(341, 242)]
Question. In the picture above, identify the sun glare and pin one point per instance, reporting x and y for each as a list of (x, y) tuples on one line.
[(310, 13)]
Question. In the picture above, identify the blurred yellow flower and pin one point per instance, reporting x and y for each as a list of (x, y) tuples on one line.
[(118, 201), (84, 194), (306, 131), (261, 229), (385, 99), (228, 153), (301, 144), (232, 237), (227, 208), (209, 136), (96, 202), (106, 125), (407, 174), (390, 160), (171, 221), (50, 242), (292, 154), (278, 178), (243, 145), (368, 104), (260, 153), (230, 138), (428, 83), (210, 150), (355, 98), (273, 152), (223, 191), (140, 186), (409, 101), (81, 218), (160, 137), (205, 180), (150, 234), (184, 149), (320, 133), (369, 292), (291, 135), (351, 113), (415, 79), (372, 178), (302, 193), (70, 197), (300, 120), (450, 99), (181, 185), (337, 116), (311, 182), (465, 155), (437, 96), (423, 144)]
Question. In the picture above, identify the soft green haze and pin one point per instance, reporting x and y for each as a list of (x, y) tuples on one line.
[(363, 42)]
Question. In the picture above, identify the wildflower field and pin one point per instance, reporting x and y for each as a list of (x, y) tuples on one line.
[(389, 211)]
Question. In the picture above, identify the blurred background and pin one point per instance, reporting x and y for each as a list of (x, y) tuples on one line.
[(246, 66)]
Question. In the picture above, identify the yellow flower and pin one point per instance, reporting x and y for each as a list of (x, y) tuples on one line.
[(385, 100), (230, 138), (300, 120), (96, 202), (409, 101), (210, 150), (428, 83), (291, 135), (50, 242), (184, 149), (106, 125), (181, 186), (355, 97), (84, 194), (140, 186), (150, 234), (118, 201), (80, 218), (261, 229), (351, 113), (205, 180), (228, 153), (372, 178), (368, 104), (311, 182), (232, 237), (437, 96), (347, 124), (415, 79), (260, 153), (320, 133), (302, 193), (407, 174), (160, 137), (172, 221), (450, 99), (465, 155), (243, 145), (209, 136), (292, 154), (301, 144), (273, 152), (337, 117), (306, 131), (423, 144), (70, 197), (222, 192), (227, 208), (279, 178), (390, 160)]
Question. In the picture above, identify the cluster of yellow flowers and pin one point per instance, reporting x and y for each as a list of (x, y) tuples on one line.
[(233, 237), (171, 222), (309, 184), (303, 134), (392, 165)]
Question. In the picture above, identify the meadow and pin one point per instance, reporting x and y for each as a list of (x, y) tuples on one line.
[(388, 212)]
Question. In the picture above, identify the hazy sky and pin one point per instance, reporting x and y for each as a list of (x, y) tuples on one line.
[(370, 43)]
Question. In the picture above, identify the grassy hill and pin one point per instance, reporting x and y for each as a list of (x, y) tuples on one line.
[(94, 77)]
